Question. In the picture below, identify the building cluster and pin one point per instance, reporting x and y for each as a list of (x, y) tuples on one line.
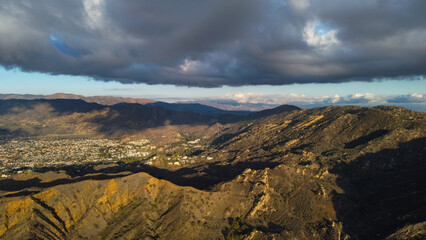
[(19, 155), (40, 153)]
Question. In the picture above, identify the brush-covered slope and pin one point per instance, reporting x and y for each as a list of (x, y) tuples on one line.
[(374, 159), (332, 134), (134, 206)]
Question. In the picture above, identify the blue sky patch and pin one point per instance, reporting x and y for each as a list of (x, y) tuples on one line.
[(60, 45), (321, 29)]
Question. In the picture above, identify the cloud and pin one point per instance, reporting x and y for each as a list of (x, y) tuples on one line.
[(410, 98), (415, 101), (214, 43), (316, 35), (299, 5)]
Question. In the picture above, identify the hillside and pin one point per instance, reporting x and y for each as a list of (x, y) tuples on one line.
[(372, 158), (322, 173)]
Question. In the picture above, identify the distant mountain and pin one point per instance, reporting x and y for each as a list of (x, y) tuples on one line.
[(137, 116), (103, 100), (197, 108), (20, 96), (204, 110), (235, 106), (40, 117), (59, 106)]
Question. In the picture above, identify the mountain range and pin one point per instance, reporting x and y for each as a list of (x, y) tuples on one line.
[(285, 173), (103, 100)]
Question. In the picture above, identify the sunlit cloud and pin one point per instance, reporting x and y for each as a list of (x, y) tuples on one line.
[(316, 35), (361, 99)]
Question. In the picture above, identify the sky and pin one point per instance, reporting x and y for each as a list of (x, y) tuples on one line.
[(303, 52)]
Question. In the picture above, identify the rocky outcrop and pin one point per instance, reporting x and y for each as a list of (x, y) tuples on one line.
[(412, 231), (272, 202)]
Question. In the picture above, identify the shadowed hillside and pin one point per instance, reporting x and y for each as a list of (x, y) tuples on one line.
[(384, 191)]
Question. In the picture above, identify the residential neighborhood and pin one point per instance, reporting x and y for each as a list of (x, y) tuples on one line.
[(17, 156)]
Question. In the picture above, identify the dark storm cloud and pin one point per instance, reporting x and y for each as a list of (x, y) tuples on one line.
[(213, 43)]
